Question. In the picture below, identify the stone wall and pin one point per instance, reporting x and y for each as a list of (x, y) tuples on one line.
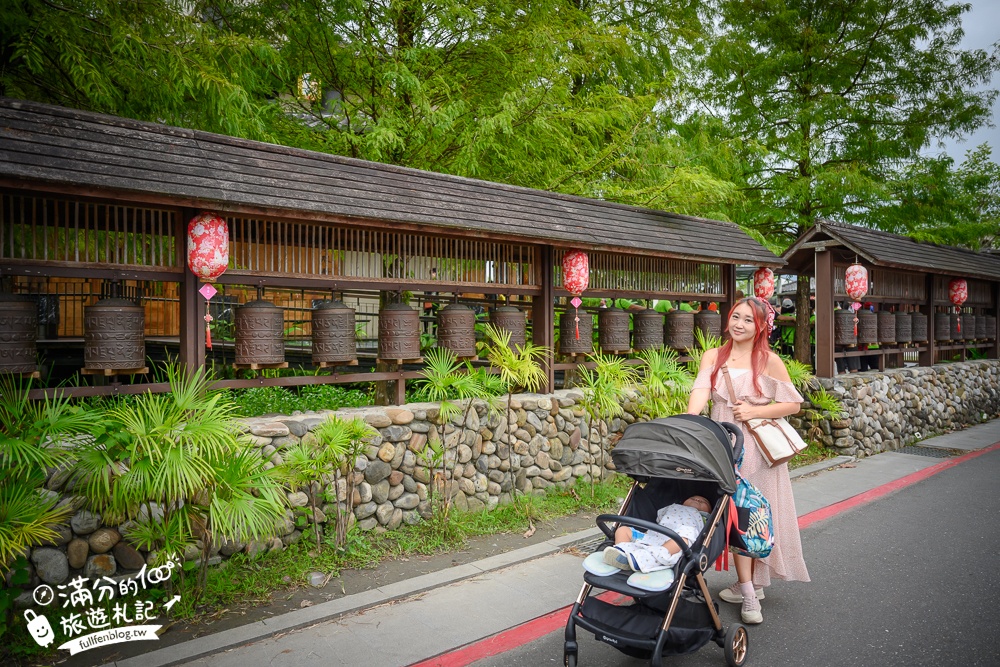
[(888, 410)]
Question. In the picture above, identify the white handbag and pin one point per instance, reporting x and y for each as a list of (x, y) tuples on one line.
[(775, 437)]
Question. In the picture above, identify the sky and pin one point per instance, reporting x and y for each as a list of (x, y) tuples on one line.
[(982, 29)]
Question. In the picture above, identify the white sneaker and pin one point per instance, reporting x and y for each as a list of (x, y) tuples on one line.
[(750, 613), (734, 596)]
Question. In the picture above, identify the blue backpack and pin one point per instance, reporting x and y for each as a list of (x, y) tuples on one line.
[(752, 532)]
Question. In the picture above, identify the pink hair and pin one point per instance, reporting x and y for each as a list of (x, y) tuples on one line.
[(761, 346)]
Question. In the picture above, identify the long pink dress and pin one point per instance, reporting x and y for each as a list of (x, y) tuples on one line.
[(785, 560)]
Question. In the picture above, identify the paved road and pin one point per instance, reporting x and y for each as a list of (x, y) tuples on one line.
[(909, 579)]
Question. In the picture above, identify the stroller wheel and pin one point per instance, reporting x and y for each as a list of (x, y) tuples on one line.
[(737, 643), (569, 659)]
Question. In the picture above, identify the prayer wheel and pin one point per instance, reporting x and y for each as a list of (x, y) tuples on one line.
[(510, 319), (613, 330), (867, 327), (398, 332), (569, 343), (18, 333), (113, 339), (647, 330), (886, 326), (260, 333), (904, 327), (678, 331), (710, 323), (333, 337), (843, 328), (457, 330), (955, 324), (919, 329), (980, 327), (991, 327), (968, 326), (942, 327)]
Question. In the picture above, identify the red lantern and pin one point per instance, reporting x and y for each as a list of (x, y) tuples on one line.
[(856, 282), (576, 279), (958, 291), (763, 283), (576, 272), (208, 255)]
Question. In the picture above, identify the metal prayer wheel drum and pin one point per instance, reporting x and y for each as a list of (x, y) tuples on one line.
[(904, 327), (509, 318), (955, 324), (333, 338), (457, 330), (113, 331), (991, 327), (867, 327), (843, 328), (613, 330), (886, 326), (919, 329), (709, 322), (981, 327), (678, 331), (569, 343), (398, 332), (968, 326), (942, 327), (647, 330), (260, 339), (18, 333)]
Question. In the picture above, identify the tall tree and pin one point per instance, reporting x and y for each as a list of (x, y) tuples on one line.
[(825, 98)]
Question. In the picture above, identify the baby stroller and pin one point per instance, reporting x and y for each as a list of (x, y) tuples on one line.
[(669, 460)]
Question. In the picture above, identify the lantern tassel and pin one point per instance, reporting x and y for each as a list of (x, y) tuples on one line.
[(208, 328), (576, 320)]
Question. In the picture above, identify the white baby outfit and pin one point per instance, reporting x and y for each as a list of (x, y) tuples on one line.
[(648, 551)]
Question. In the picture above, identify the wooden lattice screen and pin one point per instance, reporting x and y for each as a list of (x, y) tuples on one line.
[(885, 284), (651, 275), (275, 247), (62, 230), (980, 291)]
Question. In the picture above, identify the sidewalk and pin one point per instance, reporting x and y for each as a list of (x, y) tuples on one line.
[(415, 619)]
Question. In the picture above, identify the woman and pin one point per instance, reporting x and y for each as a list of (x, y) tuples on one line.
[(763, 389)]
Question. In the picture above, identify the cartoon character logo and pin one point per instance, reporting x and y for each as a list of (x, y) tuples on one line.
[(39, 628)]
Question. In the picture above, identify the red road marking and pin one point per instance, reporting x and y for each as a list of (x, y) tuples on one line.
[(868, 496), (531, 630)]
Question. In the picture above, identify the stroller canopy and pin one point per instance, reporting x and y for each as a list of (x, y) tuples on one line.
[(679, 447)]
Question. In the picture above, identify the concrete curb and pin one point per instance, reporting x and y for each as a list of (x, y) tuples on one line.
[(326, 611), (828, 464)]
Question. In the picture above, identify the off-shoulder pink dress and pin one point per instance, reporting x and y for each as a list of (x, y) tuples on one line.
[(785, 560)]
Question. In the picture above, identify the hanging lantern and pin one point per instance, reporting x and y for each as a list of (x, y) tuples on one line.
[(763, 283), (208, 255), (576, 279), (958, 292), (856, 287)]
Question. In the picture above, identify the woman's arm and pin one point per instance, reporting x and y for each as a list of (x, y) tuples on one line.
[(699, 397), (776, 369)]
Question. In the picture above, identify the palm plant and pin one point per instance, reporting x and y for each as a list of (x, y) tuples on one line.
[(703, 343), (604, 392), (823, 404), (666, 383), (338, 444), (173, 464)]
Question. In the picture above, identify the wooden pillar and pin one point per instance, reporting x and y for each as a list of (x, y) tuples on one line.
[(543, 315), (927, 357), (824, 314), (192, 320), (993, 351), (729, 289)]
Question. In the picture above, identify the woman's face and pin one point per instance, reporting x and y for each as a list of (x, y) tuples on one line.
[(741, 324)]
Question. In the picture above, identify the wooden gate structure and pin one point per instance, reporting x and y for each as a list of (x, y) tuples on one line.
[(904, 275), (87, 200)]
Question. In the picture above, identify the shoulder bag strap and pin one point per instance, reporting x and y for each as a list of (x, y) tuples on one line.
[(729, 385)]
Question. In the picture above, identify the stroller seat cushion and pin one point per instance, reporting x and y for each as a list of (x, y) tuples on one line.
[(594, 563), (659, 580)]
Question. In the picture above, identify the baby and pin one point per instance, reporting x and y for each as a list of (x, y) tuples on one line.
[(648, 552)]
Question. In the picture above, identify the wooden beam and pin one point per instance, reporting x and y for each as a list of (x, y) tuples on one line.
[(543, 315), (192, 322), (824, 314), (929, 356)]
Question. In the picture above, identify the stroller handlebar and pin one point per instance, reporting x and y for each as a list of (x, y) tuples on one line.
[(737, 432), (604, 521)]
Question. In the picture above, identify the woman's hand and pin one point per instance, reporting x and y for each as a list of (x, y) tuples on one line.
[(745, 412)]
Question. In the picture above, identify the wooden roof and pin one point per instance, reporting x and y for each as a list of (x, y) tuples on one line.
[(889, 250), (109, 156)]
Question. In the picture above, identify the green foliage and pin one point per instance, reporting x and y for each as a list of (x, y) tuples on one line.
[(666, 384), (279, 400)]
